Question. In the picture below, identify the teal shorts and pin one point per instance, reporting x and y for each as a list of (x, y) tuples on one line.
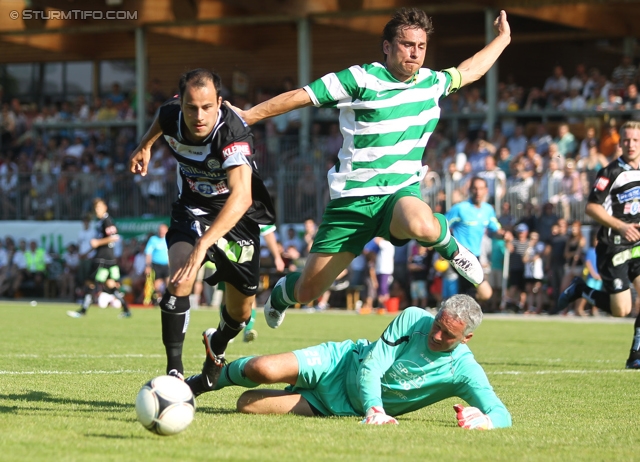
[(322, 376), (349, 223)]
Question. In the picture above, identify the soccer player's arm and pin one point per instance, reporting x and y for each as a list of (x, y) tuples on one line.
[(599, 191), (472, 69), (473, 386), (139, 160), (110, 235), (239, 174), (280, 104), (379, 359)]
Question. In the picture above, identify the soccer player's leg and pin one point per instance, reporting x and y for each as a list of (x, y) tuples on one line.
[(234, 315), (174, 305), (320, 271), (97, 273), (633, 362), (112, 285), (412, 218)]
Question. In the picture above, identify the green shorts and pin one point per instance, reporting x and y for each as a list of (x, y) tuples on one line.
[(349, 223), (322, 376)]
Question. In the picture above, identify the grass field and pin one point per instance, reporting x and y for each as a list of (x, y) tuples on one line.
[(67, 391)]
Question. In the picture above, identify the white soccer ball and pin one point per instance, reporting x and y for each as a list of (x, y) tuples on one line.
[(165, 405)]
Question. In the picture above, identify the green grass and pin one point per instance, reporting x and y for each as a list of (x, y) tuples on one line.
[(67, 391)]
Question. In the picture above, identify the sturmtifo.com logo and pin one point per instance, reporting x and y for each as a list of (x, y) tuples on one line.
[(73, 14)]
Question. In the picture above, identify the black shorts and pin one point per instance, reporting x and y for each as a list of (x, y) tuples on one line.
[(161, 271), (102, 270), (617, 267), (516, 279), (466, 287), (236, 255)]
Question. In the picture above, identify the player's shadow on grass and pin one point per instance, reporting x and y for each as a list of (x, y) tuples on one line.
[(116, 437), (215, 410), (43, 397)]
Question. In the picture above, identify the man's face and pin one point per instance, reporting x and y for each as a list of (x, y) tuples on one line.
[(446, 333), (405, 55), (200, 110), (100, 209), (478, 191), (630, 144)]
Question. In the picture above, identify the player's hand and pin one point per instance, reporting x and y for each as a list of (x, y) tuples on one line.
[(139, 160), (189, 270), (238, 111), (472, 418), (279, 262), (377, 416), (501, 25), (630, 231)]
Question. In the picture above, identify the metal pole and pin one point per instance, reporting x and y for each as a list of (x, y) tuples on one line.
[(141, 80), (492, 74), (304, 77)]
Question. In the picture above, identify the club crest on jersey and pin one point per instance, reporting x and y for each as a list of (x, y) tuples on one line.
[(236, 148), (602, 183), (213, 164)]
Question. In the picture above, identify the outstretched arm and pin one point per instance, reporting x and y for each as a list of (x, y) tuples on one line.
[(474, 68), (140, 157), (285, 102)]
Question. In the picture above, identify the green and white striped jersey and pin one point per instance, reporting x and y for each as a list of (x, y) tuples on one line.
[(385, 124)]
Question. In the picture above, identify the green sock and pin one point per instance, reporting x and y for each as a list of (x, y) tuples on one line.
[(282, 295), (233, 374), (444, 245), (252, 321)]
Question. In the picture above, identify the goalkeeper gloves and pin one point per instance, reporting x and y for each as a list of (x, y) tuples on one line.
[(377, 416), (472, 418)]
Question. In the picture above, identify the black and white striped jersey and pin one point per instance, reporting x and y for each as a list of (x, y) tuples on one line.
[(617, 189), (202, 167)]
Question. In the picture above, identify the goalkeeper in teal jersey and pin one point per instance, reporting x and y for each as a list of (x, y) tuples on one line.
[(419, 360)]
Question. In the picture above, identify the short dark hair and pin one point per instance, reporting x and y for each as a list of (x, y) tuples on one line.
[(406, 18), (199, 78)]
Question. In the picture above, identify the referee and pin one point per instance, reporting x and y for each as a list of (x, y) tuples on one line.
[(157, 255)]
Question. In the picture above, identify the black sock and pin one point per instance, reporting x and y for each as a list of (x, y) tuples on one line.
[(120, 296), (597, 298), (174, 314), (228, 329)]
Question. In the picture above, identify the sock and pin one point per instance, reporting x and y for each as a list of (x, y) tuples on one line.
[(174, 314), (252, 321), (120, 296), (635, 345), (282, 295), (597, 298), (228, 329), (444, 245), (233, 374), (86, 301)]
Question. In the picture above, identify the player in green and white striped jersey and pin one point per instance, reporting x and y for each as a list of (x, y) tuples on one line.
[(387, 114)]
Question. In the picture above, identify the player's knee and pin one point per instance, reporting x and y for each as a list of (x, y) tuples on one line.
[(262, 370), (248, 402)]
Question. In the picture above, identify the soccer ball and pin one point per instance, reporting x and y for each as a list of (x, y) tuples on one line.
[(165, 405)]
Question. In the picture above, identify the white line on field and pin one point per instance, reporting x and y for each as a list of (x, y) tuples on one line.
[(567, 371), (124, 371)]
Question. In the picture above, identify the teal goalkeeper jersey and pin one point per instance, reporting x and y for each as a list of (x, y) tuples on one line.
[(401, 374), (385, 123)]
